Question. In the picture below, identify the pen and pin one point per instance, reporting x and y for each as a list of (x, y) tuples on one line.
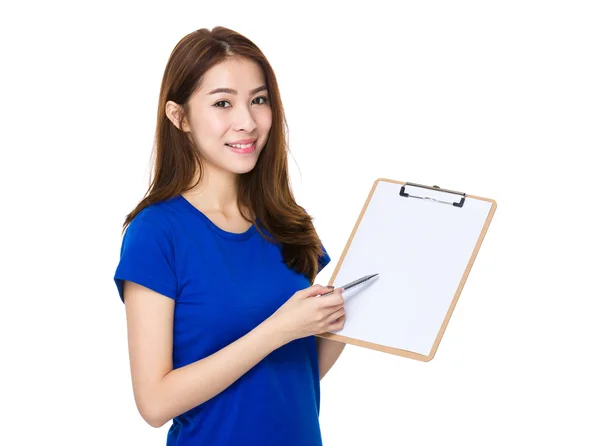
[(354, 283)]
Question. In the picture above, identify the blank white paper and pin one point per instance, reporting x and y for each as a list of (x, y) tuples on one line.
[(421, 249)]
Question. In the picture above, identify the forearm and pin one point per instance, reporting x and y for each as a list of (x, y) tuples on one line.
[(328, 352), (187, 387)]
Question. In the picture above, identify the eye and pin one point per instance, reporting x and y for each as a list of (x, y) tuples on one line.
[(221, 102), (266, 101)]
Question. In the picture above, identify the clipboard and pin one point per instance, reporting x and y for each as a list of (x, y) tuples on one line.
[(423, 241)]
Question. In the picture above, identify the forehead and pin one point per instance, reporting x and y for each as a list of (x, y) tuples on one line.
[(242, 75)]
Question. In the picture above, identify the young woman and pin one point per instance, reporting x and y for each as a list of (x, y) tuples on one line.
[(218, 261)]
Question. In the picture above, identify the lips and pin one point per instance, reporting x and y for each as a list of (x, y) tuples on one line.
[(242, 141), (244, 144), (242, 150)]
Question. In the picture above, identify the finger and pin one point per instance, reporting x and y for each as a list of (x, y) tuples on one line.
[(338, 325), (315, 290), (340, 320), (324, 291), (335, 315), (333, 299)]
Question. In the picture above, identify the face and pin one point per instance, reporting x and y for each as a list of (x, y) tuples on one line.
[(219, 118)]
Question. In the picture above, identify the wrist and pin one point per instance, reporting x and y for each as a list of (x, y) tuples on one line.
[(276, 332)]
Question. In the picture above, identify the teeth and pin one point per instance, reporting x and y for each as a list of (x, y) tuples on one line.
[(240, 146)]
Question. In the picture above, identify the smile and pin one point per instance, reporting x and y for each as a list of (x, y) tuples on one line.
[(243, 148)]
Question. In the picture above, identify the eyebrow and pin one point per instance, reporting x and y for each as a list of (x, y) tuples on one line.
[(232, 91)]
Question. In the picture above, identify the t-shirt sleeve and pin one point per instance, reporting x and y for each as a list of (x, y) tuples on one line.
[(324, 259), (147, 258)]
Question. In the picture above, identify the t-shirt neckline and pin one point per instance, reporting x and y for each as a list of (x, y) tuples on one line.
[(189, 207)]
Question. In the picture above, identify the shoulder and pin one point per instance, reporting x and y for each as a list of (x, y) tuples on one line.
[(155, 220), (160, 214)]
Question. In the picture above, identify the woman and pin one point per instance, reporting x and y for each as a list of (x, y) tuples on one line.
[(217, 262)]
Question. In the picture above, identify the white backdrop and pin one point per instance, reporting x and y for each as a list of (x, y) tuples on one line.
[(497, 100)]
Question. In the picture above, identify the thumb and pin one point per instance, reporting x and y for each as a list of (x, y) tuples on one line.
[(316, 290)]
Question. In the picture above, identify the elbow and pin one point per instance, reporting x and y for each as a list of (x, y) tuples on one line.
[(156, 423), (151, 413), (152, 417)]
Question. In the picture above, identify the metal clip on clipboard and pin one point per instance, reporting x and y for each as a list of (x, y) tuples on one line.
[(436, 188)]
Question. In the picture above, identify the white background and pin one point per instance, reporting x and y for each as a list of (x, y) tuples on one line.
[(496, 99)]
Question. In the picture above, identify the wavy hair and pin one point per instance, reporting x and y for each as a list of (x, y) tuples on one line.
[(265, 191)]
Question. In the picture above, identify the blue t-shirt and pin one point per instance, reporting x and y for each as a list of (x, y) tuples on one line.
[(225, 284)]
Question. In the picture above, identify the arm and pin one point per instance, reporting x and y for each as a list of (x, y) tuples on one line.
[(328, 352), (162, 393)]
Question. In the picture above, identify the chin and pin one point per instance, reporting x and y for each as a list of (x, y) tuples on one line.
[(241, 168)]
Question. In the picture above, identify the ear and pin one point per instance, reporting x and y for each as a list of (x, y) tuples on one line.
[(174, 112)]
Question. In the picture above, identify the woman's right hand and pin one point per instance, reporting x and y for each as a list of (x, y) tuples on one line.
[(307, 313)]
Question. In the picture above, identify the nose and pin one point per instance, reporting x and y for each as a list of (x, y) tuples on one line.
[(244, 120)]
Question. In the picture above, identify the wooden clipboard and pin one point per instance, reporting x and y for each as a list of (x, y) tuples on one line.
[(427, 239)]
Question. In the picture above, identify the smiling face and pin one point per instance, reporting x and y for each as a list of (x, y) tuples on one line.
[(231, 106)]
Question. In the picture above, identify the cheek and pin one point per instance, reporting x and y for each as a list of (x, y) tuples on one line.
[(212, 127), (266, 120)]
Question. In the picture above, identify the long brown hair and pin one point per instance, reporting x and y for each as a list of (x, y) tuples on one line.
[(265, 190)]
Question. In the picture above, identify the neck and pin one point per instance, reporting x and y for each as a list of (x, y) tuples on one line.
[(216, 193)]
